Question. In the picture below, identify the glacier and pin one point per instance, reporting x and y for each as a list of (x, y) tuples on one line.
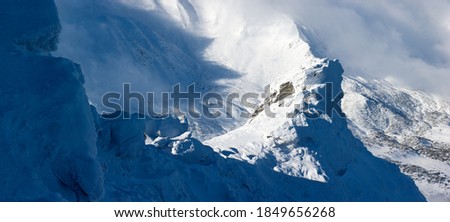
[(59, 144)]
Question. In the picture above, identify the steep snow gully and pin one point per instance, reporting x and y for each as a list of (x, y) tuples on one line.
[(57, 144)]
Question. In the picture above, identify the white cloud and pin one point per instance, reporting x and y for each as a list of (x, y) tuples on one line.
[(403, 40)]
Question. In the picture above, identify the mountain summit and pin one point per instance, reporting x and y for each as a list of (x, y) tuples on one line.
[(295, 128)]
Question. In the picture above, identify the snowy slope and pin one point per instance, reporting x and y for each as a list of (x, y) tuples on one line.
[(406, 127)]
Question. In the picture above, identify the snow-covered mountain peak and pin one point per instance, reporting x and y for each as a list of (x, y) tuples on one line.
[(290, 124), (294, 144)]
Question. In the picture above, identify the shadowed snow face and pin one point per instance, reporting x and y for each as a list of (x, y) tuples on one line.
[(38, 31)]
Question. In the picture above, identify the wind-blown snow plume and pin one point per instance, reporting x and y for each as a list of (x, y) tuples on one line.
[(401, 41)]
